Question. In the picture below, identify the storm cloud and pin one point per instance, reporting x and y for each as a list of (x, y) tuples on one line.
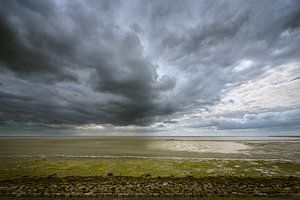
[(72, 64)]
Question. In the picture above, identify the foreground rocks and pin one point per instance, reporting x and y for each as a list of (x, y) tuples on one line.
[(53, 186)]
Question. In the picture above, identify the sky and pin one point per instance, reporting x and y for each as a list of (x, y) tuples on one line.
[(137, 67)]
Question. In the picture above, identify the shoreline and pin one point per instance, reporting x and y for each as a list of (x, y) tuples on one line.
[(142, 147), (90, 167), (170, 138), (149, 157)]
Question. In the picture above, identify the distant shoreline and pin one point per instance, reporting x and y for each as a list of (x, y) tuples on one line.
[(153, 136), (144, 136)]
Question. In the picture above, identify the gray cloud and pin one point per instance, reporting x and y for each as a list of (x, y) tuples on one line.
[(269, 119), (136, 63)]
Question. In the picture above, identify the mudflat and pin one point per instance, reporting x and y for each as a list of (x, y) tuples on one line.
[(144, 167), (282, 148)]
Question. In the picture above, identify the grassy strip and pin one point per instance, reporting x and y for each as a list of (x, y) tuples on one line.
[(15, 167)]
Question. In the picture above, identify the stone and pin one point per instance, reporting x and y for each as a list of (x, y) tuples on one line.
[(110, 174)]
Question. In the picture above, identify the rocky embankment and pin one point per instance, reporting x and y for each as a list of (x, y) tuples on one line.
[(146, 186)]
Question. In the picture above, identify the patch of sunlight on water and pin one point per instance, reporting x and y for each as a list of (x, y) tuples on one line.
[(199, 146)]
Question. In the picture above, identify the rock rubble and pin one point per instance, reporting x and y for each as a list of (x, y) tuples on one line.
[(121, 186)]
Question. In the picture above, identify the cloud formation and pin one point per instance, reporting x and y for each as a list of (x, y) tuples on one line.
[(145, 63)]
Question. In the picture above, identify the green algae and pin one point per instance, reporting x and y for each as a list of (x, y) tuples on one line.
[(17, 167)]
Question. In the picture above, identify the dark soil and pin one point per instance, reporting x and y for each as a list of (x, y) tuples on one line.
[(120, 186)]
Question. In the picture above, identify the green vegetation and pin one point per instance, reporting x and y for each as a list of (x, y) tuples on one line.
[(16, 167), (226, 198)]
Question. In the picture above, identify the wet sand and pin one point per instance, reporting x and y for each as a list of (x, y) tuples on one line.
[(180, 147)]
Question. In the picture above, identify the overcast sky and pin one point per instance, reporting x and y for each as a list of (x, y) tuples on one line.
[(150, 67)]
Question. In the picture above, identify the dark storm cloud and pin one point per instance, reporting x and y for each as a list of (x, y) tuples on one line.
[(29, 43), (135, 62), (42, 42)]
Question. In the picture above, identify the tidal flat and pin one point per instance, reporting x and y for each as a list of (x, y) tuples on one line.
[(145, 167)]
